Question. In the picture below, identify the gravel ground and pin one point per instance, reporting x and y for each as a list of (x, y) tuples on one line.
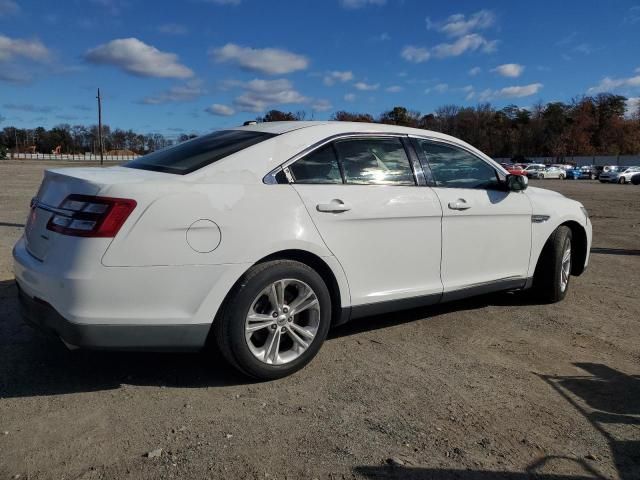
[(493, 387)]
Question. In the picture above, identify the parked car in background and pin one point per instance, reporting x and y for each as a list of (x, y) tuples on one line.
[(514, 169), (563, 166), (533, 167), (619, 174), (551, 172), (590, 172), (165, 252)]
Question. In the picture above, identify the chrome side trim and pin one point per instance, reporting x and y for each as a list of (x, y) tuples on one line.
[(326, 140), (48, 208), (539, 218)]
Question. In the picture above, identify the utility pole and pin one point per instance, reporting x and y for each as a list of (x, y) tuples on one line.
[(100, 127)]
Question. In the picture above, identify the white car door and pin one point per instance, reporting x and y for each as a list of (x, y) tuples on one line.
[(486, 230), (382, 227)]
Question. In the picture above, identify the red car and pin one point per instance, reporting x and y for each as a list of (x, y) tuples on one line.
[(514, 169)]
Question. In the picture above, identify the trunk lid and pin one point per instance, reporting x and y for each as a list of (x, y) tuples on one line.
[(57, 185)]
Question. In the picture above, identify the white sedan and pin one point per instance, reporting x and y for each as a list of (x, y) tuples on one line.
[(260, 238)]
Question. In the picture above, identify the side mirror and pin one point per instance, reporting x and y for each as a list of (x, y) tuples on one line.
[(517, 183)]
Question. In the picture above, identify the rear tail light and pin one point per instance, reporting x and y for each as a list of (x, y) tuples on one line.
[(87, 216)]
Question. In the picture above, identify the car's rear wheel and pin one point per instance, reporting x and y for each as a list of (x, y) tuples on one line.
[(553, 272), (561, 176), (275, 320)]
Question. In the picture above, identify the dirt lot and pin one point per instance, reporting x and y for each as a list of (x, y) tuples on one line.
[(494, 387)]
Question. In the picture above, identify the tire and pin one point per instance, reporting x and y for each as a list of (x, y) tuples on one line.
[(249, 295), (622, 181), (561, 177), (591, 176), (636, 179), (552, 275), (542, 176)]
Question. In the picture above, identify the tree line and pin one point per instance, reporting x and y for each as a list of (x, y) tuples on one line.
[(588, 125), (80, 139)]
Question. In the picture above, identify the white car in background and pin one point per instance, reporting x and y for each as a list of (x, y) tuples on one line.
[(532, 168), (619, 175), (260, 238), (554, 172), (550, 172)]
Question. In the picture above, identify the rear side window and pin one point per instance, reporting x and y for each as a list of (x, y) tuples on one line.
[(320, 166), (375, 161), (199, 152)]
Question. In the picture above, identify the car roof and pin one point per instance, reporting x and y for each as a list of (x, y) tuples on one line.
[(339, 127)]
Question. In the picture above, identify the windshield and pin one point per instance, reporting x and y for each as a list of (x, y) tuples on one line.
[(197, 153)]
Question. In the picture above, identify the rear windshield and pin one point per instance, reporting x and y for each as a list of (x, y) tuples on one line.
[(197, 153)]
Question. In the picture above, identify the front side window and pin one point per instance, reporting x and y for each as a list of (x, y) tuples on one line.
[(320, 166), (194, 154), (456, 168), (374, 161)]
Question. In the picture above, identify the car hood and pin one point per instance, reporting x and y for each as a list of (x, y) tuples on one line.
[(538, 192)]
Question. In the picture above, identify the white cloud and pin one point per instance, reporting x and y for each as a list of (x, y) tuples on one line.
[(13, 75), (467, 43), (137, 58), (511, 70), (633, 106), (349, 97), (415, 54), (271, 61), (28, 107), (220, 110), (441, 87), (355, 4), (459, 24), (321, 105), (179, 93), (633, 15), (511, 92), (173, 29), (8, 7), (260, 94), (366, 86), (394, 89), (336, 76), (608, 84), (16, 47), (475, 71)]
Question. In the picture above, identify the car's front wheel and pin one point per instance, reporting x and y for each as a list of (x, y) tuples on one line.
[(622, 180), (553, 272), (275, 320), (561, 177)]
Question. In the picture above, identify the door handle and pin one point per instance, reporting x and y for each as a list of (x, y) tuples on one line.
[(334, 206), (460, 204)]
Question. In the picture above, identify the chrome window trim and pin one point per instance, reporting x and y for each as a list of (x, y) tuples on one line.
[(416, 167)]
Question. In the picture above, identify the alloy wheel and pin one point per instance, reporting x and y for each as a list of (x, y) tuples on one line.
[(565, 267), (282, 321)]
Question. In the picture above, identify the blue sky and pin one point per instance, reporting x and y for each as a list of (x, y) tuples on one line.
[(195, 65)]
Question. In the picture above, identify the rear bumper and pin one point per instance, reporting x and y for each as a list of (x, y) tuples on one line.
[(42, 316), (123, 308)]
